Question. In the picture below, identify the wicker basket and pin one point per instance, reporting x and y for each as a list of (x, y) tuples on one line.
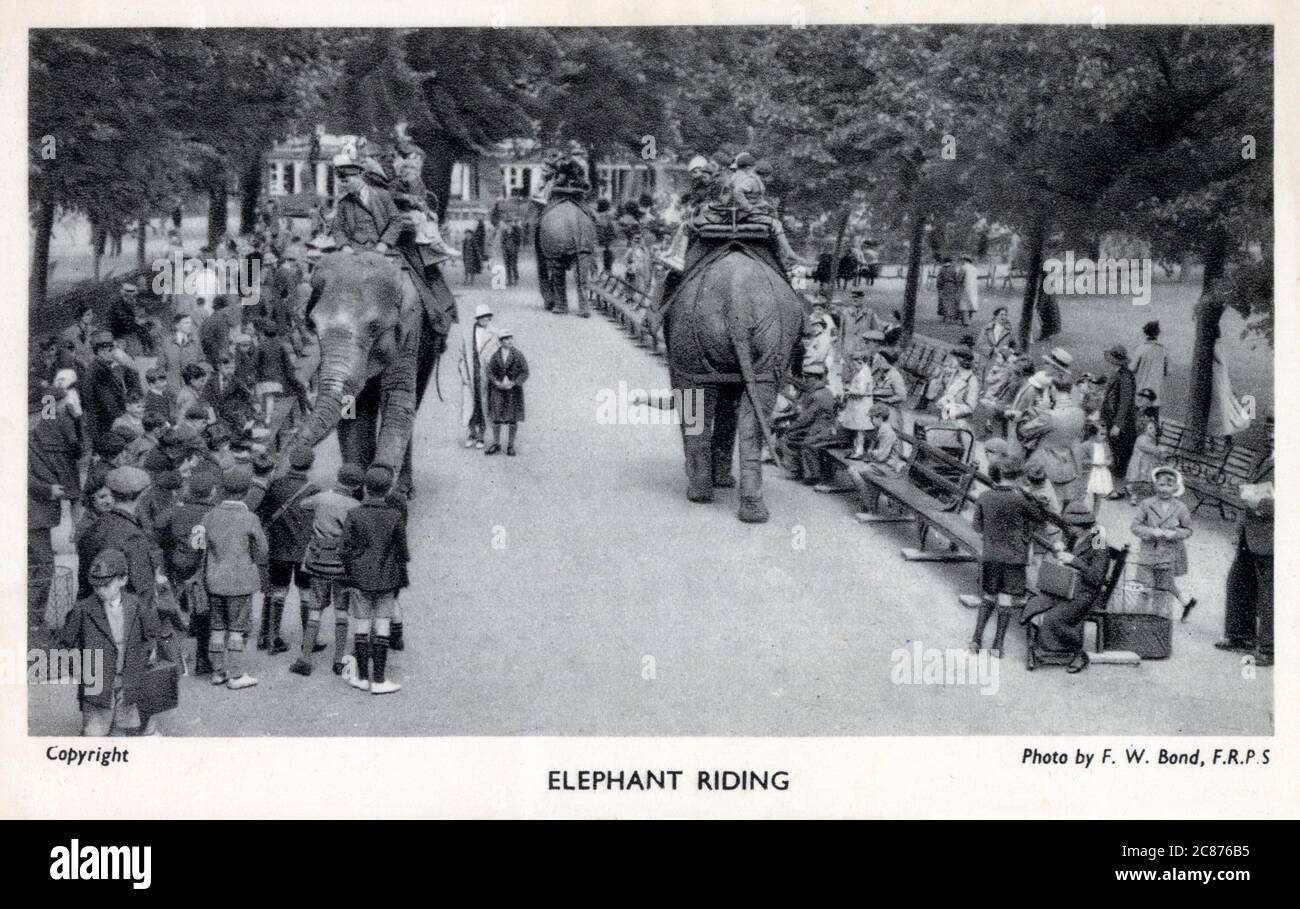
[(1139, 618)]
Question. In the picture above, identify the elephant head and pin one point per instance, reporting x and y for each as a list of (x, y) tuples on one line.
[(367, 316)]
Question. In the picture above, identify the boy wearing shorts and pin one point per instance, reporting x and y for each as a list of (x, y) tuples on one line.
[(374, 552), (1006, 517)]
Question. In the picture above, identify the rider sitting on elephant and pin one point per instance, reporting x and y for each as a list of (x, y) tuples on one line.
[(366, 216), (739, 194)]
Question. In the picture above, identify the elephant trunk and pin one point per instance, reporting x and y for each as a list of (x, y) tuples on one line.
[(341, 363), (398, 411)]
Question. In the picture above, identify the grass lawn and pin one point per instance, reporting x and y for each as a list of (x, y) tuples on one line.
[(1091, 324)]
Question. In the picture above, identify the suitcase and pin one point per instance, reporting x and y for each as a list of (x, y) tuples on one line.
[(1056, 579), (159, 688)]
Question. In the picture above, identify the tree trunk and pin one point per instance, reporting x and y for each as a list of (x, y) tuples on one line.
[(218, 210), (1033, 277), (98, 240), (141, 236), (914, 257), (250, 190), (839, 251), (1209, 309), (438, 162), (41, 250)]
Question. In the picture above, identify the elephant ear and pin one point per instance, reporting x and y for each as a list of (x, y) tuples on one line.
[(409, 313)]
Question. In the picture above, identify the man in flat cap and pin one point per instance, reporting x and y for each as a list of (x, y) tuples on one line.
[(120, 528), (104, 392)]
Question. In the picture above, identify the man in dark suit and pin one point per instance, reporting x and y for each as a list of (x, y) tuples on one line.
[(1248, 609), (105, 389)]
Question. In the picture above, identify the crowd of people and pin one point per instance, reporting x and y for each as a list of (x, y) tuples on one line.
[(1053, 440)]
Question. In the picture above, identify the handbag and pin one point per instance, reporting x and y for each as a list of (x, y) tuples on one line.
[(1056, 579), (159, 688)]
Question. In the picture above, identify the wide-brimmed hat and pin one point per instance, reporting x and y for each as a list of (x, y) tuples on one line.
[(482, 310), (815, 369), (1170, 470), (964, 355), (129, 288), (1059, 357), (322, 242), (1117, 355), (505, 333), (699, 162), (347, 163)]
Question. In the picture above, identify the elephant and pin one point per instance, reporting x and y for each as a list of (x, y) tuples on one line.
[(565, 238), (731, 328), (379, 344)]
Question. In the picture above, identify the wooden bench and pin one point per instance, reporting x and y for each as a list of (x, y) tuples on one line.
[(628, 305), (1213, 467), (933, 490)]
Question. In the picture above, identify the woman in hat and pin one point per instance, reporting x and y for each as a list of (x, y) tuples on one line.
[(507, 372), (970, 290), (1151, 361), (1061, 627), (1163, 524), (478, 344)]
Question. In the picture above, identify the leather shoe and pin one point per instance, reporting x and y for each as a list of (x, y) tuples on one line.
[(492, 449), (1079, 663), (1234, 645), (510, 450), (1187, 609)]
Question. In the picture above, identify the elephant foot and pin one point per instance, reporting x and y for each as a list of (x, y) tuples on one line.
[(752, 511), (723, 481), (703, 496)]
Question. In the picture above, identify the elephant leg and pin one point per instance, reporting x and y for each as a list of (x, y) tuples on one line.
[(581, 272), (357, 434), (723, 445), (559, 289), (697, 443), (544, 280), (752, 510)]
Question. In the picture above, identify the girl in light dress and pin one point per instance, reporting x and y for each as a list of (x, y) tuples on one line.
[(1162, 525), (1146, 457), (1096, 455), (857, 405)]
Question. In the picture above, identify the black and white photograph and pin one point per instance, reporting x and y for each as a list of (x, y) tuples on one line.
[(819, 377)]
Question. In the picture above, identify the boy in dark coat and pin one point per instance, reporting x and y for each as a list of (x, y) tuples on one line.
[(182, 558), (288, 530), (507, 371), (1006, 517), (374, 553), (118, 633)]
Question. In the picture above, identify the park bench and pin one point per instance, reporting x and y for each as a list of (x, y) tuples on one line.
[(1213, 467), (932, 491), (627, 305)]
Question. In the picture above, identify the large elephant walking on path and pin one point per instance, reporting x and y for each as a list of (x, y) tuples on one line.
[(730, 328), (566, 238), (378, 347)]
